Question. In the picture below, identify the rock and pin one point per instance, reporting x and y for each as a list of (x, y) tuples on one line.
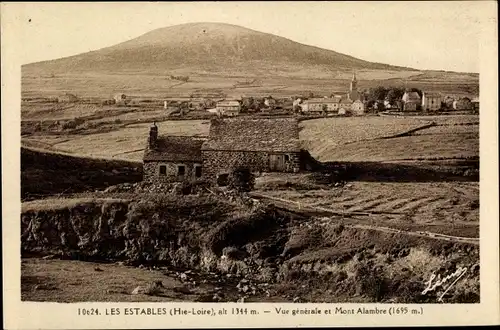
[(139, 290), (296, 299), (97, 269), (183, 277), (241, 300), (183, 289), (245, 288)]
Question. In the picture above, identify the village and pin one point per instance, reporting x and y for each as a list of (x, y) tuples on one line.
[(353, 102)]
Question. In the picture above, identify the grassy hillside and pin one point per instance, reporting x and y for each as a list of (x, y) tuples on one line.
[(47, 173), (207, 47), (362, 139)]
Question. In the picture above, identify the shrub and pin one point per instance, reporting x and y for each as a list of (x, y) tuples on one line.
[(242, 180)]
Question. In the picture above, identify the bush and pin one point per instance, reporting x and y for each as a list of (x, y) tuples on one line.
[(242, 180)]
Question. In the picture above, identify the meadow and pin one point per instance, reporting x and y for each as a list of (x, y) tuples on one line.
[(158, 84), (375, 138)]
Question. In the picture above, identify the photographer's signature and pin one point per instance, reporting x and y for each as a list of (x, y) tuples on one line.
[(440, 281)]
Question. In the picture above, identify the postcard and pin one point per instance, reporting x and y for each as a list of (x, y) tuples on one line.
[(249, 164)]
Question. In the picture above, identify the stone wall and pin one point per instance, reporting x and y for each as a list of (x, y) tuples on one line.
[(221, 162), (152, 172)]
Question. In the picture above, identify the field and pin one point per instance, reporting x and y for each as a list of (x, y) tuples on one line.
[(157, 85), (415, 206), (375, 138)]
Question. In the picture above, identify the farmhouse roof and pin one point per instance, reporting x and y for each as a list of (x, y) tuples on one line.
[(256, 134), (175, 149), (411, 97), (430, 94), (323, 100), (228, 103)]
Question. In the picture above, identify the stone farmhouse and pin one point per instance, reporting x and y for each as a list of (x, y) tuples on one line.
[(463, 103), (329, 105), (431, 101), (228, 108), (120, 98), (67, 98), (261, 145), (475, 103), (172, 158), (411, 101)]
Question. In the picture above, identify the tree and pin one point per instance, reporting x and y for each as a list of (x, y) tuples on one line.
[(417, 90), (394, 94), (379, 93), (247, 104)]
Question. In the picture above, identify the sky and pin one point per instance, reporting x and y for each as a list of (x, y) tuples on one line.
[(423, 35)]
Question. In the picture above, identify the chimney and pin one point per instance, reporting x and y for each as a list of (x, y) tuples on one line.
[(153, 136)]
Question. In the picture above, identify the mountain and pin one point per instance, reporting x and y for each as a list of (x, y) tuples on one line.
[(208, 48)]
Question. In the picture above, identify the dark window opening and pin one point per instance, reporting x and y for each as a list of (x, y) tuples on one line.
[(223, 180), (287, 158), (181, 170), (197, 171), (163, 170)]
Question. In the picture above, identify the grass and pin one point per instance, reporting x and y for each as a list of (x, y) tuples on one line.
[(45, 173), (446, 207), (73, 281), (120, 143), (54, 204), (408, 147), (360, 138), (143, 84)]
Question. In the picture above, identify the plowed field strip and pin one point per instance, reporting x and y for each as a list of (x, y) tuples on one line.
[(374, 204), (297, 208)]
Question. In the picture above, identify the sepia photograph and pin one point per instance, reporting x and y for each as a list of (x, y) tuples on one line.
[(231, 152)]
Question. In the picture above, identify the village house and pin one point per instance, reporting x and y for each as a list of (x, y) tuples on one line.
[(67, 98), (229, 108), (170, 159), (463, 103), (120, 98), (261, 145), (411, 101), (320, 105), (448, 102), (269, 102), (475, 103), (358, 108), (431, 101), (345, 105)]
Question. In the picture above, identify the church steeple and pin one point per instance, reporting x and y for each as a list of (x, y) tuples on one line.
[(354, 83)]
